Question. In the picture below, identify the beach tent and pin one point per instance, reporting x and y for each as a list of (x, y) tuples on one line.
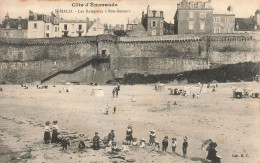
[(159, 87), (97, 92)]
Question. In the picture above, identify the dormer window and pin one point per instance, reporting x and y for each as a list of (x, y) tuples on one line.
[(19, 26), (191, 5), (48, 19), (8, 26), (35, 17), (154, 12), (161, 14)]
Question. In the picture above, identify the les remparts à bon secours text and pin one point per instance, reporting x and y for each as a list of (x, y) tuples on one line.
[(93, 8)]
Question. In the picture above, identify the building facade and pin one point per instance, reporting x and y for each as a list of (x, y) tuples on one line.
[(224, 22), (153, 22), (72, 28), (132, 24), (193, 17), (96, 29), (14, 28), (43, 26)]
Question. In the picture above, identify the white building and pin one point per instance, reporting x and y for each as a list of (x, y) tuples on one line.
[(72, 28), (42, 26), (96, 29)]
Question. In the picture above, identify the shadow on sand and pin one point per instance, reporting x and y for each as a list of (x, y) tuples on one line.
[(203, 160)]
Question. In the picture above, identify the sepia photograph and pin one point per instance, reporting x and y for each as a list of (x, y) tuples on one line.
[(129, 81)]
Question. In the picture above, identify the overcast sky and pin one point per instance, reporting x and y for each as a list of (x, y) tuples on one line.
[(242, 8)]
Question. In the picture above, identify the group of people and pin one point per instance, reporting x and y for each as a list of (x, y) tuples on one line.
[(111, 145), (42, 86), (115, 91)]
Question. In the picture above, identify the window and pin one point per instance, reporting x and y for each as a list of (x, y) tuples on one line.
[(191, 25), (154, 13), (190, 14), (202, 25), (153, 23), (47, 35), (161, 25), (48, 19), (219, 29), (65, 27), (80, 27), (226, 19), (229, 30), (191, 5), (161, 32), (218, 19), (35, 26), (153, 32), (47, 27), (35, 17), (56, 29), (202, 15)]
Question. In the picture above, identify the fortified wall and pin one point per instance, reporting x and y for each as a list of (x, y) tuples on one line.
[(102, 58)]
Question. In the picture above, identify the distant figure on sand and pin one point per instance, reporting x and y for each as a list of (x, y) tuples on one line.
[(152, 137), (81, 145), (114, 91), (55, 129), (47, 134), (114, 109), (133, 99), (193, 95), (165, 143), (129, 136), (142, 143), (65, 143), (96, 142), (174, 144), (185, 146), (111, 137), (107, 108)]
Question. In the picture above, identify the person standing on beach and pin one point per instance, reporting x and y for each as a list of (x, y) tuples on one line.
[(129, 136), (185, 146), (55, 129), (111, 137), (152, 137), (47, 134), (165, 143), (174, 144), (96, 142)]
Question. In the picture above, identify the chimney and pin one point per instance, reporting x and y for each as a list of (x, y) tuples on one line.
[(230, 8)]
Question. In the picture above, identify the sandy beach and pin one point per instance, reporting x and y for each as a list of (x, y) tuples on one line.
[(233, 123)]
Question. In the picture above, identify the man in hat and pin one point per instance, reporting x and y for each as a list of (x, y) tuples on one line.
[(152, 137), (47, 134), (174, 144), (165, 143), (185, 146), (96, 142), (111, 137), (55, 128)]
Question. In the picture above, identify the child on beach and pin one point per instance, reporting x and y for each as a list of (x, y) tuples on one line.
[(165, 143), (185, 146), (174, 144), (152, 137)]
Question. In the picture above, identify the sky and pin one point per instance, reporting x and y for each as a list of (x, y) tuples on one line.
[(134, 8)]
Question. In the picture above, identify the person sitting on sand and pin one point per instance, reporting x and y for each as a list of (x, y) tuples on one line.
[(152, 137), (124, 147), (134, 143), (157, 146), (55, 129), (81, 145), (212, 153), (129, 136), (142, 143), (96, 142), (47, 134), (185, 146)]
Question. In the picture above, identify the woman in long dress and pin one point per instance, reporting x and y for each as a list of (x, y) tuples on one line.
[(47, 134), (55, 129), (129, 136)]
